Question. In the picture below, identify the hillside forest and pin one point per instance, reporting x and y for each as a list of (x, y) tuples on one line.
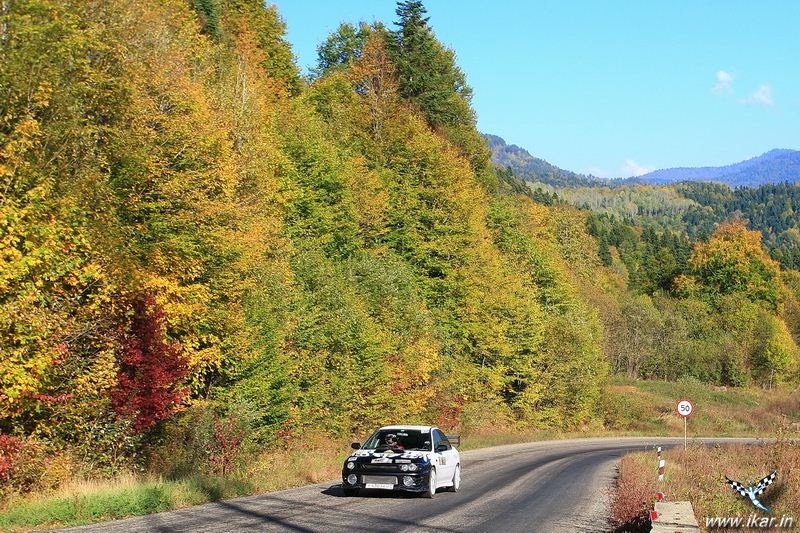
[(205, 254)]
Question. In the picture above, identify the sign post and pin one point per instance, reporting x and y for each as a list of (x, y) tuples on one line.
[(684, 408)]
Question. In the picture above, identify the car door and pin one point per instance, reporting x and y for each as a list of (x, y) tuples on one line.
[(444, 457), (452, 455)]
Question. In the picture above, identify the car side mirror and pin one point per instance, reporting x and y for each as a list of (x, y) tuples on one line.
[(356, 446), (441, 448)]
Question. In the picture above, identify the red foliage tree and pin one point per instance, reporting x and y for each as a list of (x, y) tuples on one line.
[(9, 447), (22, 465), (152, 369)]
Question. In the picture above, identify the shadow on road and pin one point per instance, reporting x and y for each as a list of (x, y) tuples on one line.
[(265, 518), (337, 492)]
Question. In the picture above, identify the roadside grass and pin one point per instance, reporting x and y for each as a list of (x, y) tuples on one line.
[(634, 493), (485, 439), (698, 475), (85, 502), (82, 502), (629, 407), (648, 407)]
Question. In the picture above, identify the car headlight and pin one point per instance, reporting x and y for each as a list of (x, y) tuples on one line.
[(352, 479), (350, 465), (413, 467), (404, 468)]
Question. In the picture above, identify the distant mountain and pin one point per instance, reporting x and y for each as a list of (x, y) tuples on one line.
[(776, 166), (530, 168)]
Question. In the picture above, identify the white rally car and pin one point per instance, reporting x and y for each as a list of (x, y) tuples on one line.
[(409, 458)]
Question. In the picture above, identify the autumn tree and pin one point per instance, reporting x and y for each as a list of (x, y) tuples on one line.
[(264, 22), (56, 281), (152, 369), (777, 359), (733, 260)]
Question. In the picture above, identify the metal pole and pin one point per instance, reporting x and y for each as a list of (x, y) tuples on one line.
[(684, 431)]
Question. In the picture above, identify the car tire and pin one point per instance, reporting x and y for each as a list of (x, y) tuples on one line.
[(350, 492), (431, 485), (456, 480)]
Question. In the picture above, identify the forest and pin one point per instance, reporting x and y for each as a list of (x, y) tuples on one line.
[(206, 254), (697, 208)]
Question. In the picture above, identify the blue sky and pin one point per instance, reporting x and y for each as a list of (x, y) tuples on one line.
[(614, 88)]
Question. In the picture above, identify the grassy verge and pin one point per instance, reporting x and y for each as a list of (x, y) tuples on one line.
[(630, 408), (88, 501), (634, 493), (92, 501), (698, 475), (648, 408)]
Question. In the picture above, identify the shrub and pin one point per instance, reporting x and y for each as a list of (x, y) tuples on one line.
[(635, 492), (202, 442), (22, 465)]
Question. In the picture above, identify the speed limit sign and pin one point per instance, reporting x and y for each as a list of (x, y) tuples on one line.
[(684, 408)]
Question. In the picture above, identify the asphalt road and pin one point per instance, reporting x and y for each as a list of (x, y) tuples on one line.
[(558, 486)]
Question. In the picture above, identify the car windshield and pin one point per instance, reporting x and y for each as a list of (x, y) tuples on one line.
[(399, 439)]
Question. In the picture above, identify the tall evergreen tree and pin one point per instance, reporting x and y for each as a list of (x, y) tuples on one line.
[(429, 77), (427, 71)]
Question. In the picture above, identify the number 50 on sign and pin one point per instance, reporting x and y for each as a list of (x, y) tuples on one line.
[(684, 408)]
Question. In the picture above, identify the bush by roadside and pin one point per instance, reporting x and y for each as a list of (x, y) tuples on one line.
[(633, 494)]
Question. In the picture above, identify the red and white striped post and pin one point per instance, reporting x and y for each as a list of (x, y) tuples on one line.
[(662, 467)]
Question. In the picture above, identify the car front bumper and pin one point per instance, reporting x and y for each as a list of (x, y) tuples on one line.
[(405, 481)]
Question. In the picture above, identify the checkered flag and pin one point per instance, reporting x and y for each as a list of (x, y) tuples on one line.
[(762, 485), (753, 491), (735, 485)]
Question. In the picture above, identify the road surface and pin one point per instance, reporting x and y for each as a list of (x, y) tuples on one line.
[(550, 486)]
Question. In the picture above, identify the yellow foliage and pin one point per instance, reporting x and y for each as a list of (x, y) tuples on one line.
[(733, 260)]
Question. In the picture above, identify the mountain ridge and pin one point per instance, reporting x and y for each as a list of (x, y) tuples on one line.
[(775, 166), (534, 169)]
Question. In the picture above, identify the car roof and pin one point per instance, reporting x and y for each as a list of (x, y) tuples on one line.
[(423, 429)]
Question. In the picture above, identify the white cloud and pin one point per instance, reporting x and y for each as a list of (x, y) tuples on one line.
[(724, 82), (762, 96), (632, 168)]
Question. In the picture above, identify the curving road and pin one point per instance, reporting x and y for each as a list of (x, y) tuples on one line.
[(558, 486)]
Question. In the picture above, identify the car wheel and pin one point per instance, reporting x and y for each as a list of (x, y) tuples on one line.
[(456, 480), (350, 492), (431, 485)]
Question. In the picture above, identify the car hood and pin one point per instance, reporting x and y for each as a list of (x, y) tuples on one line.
[(389, 457)]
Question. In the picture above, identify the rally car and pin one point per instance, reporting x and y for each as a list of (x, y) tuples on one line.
[(408, 458)]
